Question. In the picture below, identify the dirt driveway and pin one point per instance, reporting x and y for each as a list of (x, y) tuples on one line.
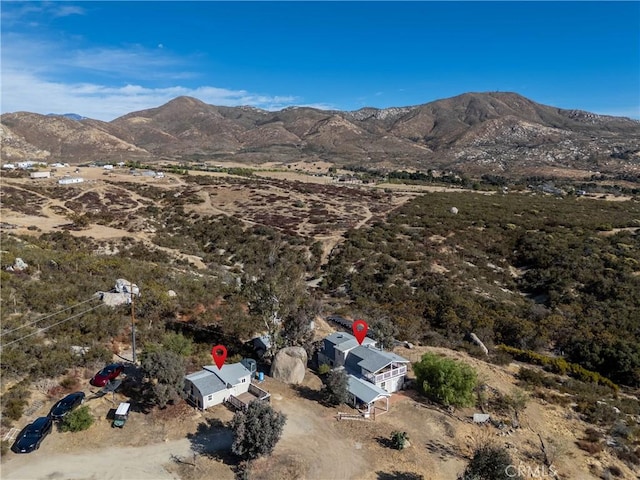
[(115, 463)]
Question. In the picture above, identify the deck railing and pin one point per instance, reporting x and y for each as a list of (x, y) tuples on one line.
[(258, 392), (236, 403), (392, 373)]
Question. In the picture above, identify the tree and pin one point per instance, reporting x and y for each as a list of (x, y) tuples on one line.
[(399, 440), (277, 294), (78, 420), (257, 430), (491, 463), (336, 387), (178, 343), (166, 371), (383, 330), (445, 381)]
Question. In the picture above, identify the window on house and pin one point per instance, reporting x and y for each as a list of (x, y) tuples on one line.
[(210, 397), (244, 380), (383, 384)]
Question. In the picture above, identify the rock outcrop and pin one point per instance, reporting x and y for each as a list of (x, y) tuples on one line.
[(289, 365)]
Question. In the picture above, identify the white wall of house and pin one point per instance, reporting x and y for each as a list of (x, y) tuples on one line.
[(392, 385), (215, 398), (241, 387)]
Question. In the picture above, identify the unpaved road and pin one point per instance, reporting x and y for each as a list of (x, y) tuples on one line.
[(113, 463)]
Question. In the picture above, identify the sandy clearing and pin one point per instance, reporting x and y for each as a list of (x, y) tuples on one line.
[(113, 463)]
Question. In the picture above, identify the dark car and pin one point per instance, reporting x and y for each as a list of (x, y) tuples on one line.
[(108, 373), (32, 435), (64, 406)]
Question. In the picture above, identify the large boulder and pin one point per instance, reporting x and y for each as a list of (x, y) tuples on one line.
[(289, 365)]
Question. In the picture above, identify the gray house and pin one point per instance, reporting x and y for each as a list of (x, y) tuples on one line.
[(384, 369), (212, 386), (374, 374)]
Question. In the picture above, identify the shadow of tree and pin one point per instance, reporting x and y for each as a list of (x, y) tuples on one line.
[(310, 394), (443, 451), (396, 475), (213, 438), (385, 442)]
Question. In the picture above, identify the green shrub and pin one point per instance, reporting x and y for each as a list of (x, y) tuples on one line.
[(560, 366), (178, 343), (324, 369), (446, 381), (257, 431), (78, 420), (490, 463), (69, 383), (399, 440), (14, 401), (336, 387)]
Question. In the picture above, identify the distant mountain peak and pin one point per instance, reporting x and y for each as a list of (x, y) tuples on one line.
[(475, 132), (70, 116)]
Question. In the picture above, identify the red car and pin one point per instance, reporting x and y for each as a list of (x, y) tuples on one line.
[(108, 373)]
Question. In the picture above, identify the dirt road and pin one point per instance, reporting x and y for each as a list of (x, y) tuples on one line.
[(115, 463)]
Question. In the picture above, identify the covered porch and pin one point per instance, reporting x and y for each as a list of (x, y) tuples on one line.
[(367, 398)]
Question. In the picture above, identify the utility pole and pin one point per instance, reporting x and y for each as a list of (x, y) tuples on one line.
[(133, 323)]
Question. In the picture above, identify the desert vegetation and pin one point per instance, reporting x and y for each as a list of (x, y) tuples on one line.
[(545, 281)]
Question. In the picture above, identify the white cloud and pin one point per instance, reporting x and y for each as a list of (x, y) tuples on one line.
[(60, 10), (106, 103), (41, 77)]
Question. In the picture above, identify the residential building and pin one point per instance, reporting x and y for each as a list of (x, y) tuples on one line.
[(384, 369), (232, 383)]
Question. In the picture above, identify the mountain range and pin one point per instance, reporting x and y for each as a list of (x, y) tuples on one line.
[(491, 132)]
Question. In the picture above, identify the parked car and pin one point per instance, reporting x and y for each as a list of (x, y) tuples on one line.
[(32, 435), (64, 406), (108, 373)]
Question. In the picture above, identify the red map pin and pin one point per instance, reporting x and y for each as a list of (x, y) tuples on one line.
[(219, 354), (360, 328)]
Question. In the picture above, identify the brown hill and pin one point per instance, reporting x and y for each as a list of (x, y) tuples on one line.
[(61, 138), (496, 132)]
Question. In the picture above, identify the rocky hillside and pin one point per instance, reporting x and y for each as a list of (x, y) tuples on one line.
[(495, 132)]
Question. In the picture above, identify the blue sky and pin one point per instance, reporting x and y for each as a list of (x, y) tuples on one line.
[(105, 59)]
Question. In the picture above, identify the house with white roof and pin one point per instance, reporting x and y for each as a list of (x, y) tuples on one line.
[(232, 383)]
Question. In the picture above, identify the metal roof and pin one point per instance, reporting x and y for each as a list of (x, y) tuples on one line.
[(373, 359), (211, 379), (229, 374), (365, 391), (206, 382), (343, 340)]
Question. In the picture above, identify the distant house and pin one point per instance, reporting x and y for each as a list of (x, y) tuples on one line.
[(35, 175), (70, 180), (232, 384), (374, 374)]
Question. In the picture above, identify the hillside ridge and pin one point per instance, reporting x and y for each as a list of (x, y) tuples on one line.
[(476, 132)]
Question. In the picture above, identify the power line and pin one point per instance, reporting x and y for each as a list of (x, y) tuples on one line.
[(50, 326), (48, 316)]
